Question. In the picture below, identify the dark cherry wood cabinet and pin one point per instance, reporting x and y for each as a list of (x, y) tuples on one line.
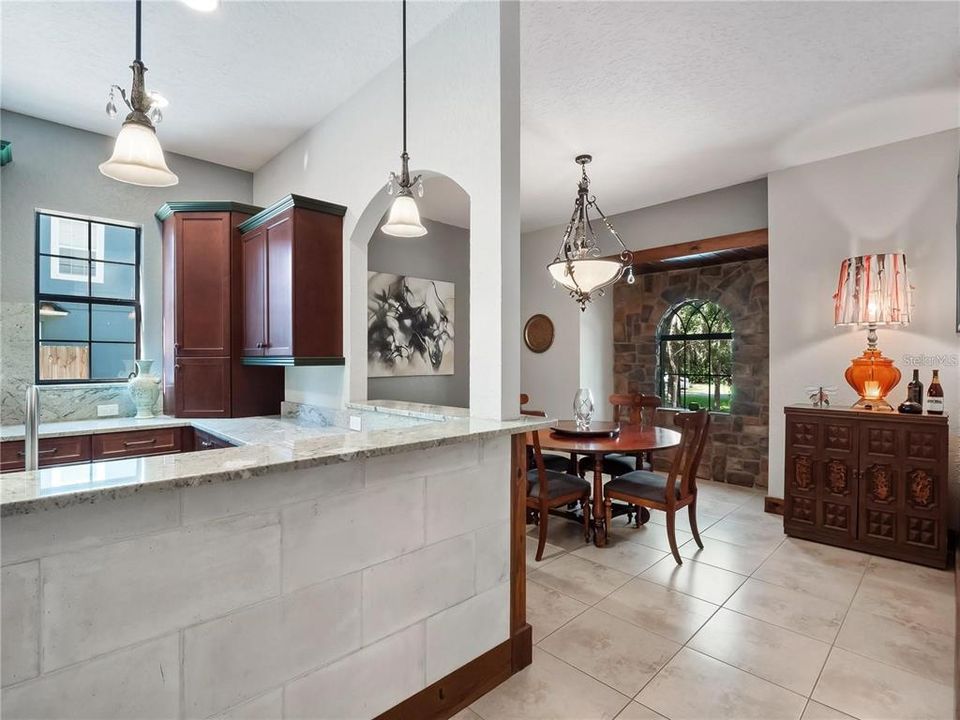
[(293, 284), (204, 315), (51, 451), (203, 440), (875, 482)]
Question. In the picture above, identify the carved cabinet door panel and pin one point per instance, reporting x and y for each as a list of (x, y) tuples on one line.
[(837, 491), (801, 474), (904, 477)]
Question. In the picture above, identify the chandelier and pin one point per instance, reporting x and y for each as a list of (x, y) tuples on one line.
[(579, 265)]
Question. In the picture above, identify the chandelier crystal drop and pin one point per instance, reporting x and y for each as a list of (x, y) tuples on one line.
[(579, 265), (137, 156), (404, 218)]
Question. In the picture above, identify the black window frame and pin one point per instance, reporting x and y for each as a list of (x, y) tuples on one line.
[(89, 299), (664, 336)]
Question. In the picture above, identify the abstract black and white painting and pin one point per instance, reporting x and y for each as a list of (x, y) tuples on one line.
[(409, 326)]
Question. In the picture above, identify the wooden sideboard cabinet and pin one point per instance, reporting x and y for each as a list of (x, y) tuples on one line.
[(868, 481)]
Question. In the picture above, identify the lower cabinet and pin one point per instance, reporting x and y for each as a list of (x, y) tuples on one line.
[(875, 482), (51, 451), (207, 441), (109, 446), (203, 387), (138, 443)]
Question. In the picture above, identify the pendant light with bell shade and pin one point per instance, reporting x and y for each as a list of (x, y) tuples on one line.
[(579, 266), (404, 218), (137, 156)]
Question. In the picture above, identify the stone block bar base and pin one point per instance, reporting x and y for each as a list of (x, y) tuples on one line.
[(385, 586)]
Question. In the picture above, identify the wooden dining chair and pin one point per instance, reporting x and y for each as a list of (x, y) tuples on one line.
[(673, 491), (561, 463), (551, 489)]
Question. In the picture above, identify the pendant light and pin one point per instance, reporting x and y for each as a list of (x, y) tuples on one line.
[(404, 218), (579, 266), (137, 156)]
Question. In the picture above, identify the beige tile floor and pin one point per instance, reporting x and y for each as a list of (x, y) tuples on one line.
[(755, 625)]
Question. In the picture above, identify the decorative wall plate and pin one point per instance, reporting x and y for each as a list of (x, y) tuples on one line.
[(538, 333)]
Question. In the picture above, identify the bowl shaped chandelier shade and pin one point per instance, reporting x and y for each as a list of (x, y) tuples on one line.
[(579, 265), (138, 158), (404, 219), (588, 273), (872, 290)]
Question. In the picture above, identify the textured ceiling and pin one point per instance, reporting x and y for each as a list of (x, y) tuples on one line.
[(677, 98), (243, 82), (671, 98)]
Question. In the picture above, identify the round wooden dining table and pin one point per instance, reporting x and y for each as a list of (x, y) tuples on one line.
[(631, 439)]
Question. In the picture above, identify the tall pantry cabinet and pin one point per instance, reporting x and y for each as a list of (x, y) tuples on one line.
[(202, 319)]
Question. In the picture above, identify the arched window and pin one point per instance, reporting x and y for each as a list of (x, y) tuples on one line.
[(696, 356)]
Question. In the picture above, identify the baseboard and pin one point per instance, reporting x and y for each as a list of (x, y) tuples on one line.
[(449, 695), (773, 505)]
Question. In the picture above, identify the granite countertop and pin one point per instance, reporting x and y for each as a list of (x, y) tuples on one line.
[(96, 426), (265, 445)]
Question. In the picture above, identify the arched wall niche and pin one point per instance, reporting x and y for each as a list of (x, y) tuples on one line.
[(443, 254)]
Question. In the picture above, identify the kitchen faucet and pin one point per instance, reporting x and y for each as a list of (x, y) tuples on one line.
[(31, 422)]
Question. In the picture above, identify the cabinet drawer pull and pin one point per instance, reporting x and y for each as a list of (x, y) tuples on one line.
[(206, 444), (48, 451), (135, 443)]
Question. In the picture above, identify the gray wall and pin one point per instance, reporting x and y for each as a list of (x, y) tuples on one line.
[(442, 254), (55, 168)]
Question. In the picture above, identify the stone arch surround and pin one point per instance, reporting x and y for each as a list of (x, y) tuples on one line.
[(737, 450)]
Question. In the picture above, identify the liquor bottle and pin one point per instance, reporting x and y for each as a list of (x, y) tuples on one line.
[(915, 389), (935, 395)]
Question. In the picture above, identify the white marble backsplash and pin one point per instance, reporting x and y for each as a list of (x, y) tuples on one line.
[(57, 402)]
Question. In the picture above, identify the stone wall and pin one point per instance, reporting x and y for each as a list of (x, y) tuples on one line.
[(737, 447)]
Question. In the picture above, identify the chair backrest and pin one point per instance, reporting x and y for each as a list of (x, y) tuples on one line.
[(693, 435), (648, 405), (625, 408), (535, 458)]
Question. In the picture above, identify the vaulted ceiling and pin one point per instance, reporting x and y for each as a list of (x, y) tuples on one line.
[(671, 98)]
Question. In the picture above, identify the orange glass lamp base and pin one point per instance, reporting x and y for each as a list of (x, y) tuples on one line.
[(872, 376)]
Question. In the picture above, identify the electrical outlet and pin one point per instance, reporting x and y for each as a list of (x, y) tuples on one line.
[(108, 410), (356, 423)]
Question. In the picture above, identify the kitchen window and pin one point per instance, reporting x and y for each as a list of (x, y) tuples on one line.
[(87, 298)]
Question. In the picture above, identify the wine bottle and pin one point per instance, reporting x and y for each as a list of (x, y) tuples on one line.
[(915, 389), (935, 395)]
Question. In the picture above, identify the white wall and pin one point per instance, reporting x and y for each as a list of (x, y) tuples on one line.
[(583, 350), (897, 197), (464, 122)]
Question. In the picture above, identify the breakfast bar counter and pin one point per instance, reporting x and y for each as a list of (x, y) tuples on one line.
[(280, 578)]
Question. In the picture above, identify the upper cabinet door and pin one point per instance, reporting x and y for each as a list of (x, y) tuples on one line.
[(203, 285), (254, 263), (280, 308)]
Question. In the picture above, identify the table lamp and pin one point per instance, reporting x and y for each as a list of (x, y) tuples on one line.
[(872, 290)]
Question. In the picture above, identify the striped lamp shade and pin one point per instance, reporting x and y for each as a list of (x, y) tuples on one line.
[(873, 290)]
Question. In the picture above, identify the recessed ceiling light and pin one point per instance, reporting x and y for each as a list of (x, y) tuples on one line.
[(202, 5)]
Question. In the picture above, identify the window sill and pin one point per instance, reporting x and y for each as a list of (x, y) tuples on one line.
[(82, 385)]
